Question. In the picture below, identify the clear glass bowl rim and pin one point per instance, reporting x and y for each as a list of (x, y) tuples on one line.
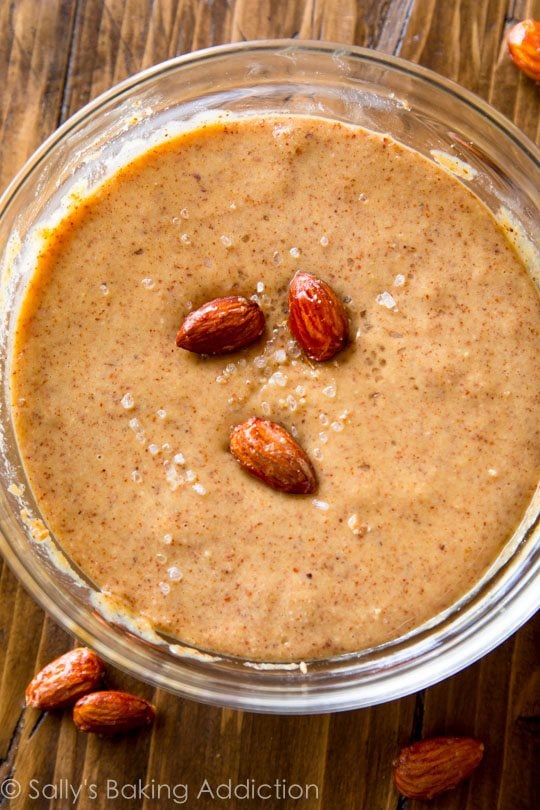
[(288, 695)]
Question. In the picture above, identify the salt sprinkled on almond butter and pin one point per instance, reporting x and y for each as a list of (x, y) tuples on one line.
[(136, 476), (226, 241), (161, 413), (153, 449), (161, 558), (148, 283), (322, 505), (329, 391), (295, 253), (386, 300), (324, 240), (174, 573), (134, 424), (127, 401), (184, 213), (399, 280), (165, 588), (492, 472), (179, 459), (104, 289), (185, 239), (199, 489), (167, 539), (260, 287), (337, 427)]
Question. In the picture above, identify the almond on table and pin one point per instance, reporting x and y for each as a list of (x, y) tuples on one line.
[(432, 766), (221, 326), (317, 317), (112, 712), (269, 452), (62, 682)]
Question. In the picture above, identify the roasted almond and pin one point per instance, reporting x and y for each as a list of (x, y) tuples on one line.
[(269, 452), (62, 682), (111, 712), (524, 45), (221, 326), (429, 767), (317, 318)]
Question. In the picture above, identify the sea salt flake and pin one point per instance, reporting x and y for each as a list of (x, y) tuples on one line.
[(179, 459), (226, 241), (329, 391), (134, 424), (167, 539), (190, 476), (174, 573), (337, 427), (136, 476), (153, 449), (322, 505), (260, 287), (317, 453), (104, 289), (185, 239), (324, 240), (161, 413), (148, 283), (399, 280), (295, 252), (323, 419), (265, 408), (492, 472), (386, 300), (161, 558), (199, 489), (184, 213), (280, 356), (165, 588), (323, 437), (127, 401), (278, 378)]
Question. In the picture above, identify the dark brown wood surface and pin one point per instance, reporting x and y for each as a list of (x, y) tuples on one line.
[(55, 55)]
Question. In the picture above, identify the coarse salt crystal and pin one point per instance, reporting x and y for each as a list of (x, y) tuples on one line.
[(136, 476), (199, 489), (167, 539), (127, 401), (190, 476), (322, 505), (362, 197), (226, 241), (329, 391), (324, 240), (337, 427), (104, 289), (141, 437), (179, 458), (399, 280), (260, 287), (492, 472), (295, 252), (161, 413), (323, 419), (265, 408), (174, 573), (293, 349), (165, 588), (317, 453), (323, 437), (148, 283), (184, 213), (153, 449), (185, 239), (291, 403), (161, 558), (278, 378), (134, 424), (280, 356), (386, 300), (300, 390)]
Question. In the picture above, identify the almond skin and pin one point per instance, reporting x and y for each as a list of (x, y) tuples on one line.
[(112, 713), (429, 767), (317, 318), (524, 45), (62, 682), (269, 452), (221, 326)]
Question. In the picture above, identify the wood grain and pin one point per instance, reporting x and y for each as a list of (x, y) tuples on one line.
[(55, 56)]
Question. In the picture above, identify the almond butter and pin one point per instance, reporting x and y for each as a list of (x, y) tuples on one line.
[(429, 767), (317, 318), (269, 452), (524, 45), (111, 712), (62, 682), (221, 326)]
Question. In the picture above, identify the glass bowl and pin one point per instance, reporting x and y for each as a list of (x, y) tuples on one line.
[(384, 94)]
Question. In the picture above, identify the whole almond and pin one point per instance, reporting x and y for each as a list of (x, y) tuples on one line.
[(221, 326), (317, 318), (269, 452), (429, 767), (111, 712), (62, 682)]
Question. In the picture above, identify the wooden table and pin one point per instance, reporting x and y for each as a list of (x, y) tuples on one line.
[(56, 55)]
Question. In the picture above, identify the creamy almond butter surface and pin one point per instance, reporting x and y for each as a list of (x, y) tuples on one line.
[(423, 432)]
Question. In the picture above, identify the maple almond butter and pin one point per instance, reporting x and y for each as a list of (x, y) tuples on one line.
[(221, 326), (267, 451), (317, 317), (523, 42), (432, 766), (62, 682), (112, 712)]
